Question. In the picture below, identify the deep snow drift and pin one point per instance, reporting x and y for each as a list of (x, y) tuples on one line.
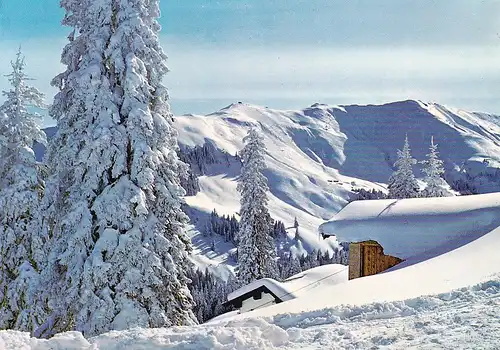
[(449, 302), (471, 264), (416, 228)]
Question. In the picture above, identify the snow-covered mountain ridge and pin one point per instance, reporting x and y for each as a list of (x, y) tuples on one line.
[(317, 155)]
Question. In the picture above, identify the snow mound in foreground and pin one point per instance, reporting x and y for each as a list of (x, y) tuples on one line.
[(451, 299), (466, 318), (417, 229), (473, 263)]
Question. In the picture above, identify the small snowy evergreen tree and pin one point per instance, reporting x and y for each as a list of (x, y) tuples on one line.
[(295, 267), (256, 248), (402, 183), (434, 170), (296, 226), (113, 199), (21, 188)]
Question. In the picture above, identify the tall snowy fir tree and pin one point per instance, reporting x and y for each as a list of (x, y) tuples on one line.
[(256, 248), (113, 199), (21, 189), (434, 170), (402, 183)]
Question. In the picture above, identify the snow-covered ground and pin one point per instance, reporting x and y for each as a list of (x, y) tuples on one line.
[(317, 155), (451, 301), (465, 319)]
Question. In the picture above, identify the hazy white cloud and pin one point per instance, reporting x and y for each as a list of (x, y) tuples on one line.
[(373, 74), (192, 67), (463, 76)]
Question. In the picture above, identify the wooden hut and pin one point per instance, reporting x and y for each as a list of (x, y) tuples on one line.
[(367, 258)]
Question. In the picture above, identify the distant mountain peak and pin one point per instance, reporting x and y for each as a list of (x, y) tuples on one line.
[(233, 105), (239, 105), (318, 105)]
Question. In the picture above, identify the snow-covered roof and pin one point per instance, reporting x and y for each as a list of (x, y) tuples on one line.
[(296, 285), (413, 227)]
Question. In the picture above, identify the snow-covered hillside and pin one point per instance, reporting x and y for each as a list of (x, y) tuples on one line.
[(315, 154), (472, 264), (318, 155), (448, 302)]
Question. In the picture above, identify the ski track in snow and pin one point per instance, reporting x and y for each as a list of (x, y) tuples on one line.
[(467, 318)]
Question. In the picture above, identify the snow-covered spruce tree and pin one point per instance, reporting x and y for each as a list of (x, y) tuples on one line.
[(21, 188), (296, 226), (113, 198), (256, 248), (434, 170), (294, 266), (210, 293), (402, 183)]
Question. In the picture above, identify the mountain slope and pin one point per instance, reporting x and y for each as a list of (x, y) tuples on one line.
[(318, 155)]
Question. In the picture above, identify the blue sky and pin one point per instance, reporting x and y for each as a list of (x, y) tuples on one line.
[(292, 53)]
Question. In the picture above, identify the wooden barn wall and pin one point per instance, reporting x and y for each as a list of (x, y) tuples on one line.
[(367, 258)]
